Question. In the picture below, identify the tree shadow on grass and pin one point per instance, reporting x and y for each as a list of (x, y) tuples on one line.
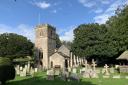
[(43, 81)]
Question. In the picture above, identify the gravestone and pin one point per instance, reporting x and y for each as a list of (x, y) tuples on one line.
[(23, 73), (74, 70), (50, 74), (28, 67), (74, 76), (31, 71), (21, 68), (106, 69), (86, 74), (35, 70), (17, 70), (93, 65)]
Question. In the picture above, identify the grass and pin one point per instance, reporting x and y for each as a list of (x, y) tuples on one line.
[(39, 79)]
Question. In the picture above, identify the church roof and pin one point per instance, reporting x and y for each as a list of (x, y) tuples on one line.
[(64, 50), (124, 55)]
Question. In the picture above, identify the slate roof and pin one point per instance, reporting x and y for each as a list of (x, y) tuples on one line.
[(64, 50)]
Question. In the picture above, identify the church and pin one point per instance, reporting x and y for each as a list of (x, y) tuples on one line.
[(46, 54)]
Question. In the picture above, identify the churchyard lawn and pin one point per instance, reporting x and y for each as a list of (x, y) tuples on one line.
[(40, 79)]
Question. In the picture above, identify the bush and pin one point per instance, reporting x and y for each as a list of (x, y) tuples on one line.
[(7, 70)]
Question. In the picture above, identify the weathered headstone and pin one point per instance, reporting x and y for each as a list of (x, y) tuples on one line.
[(86, 74), (74, 70), (74, 76), (17, 70), (94, 65), (31, 71), (35, 70), (106, 69), (50, 74)]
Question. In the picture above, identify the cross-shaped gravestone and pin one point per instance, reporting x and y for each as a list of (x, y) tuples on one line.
[(94, 65), (106, 69)]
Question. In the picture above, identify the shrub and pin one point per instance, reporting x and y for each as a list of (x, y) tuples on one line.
[(7, 70)]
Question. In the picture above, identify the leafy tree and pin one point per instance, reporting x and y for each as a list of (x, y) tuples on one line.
[(13, 45), (103, 41)]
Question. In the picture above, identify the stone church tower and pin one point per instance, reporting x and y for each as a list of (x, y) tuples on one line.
[(45, 44)]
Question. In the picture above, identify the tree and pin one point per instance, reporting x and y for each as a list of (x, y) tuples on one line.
[(13, 45), (106, 41), (58, 42)]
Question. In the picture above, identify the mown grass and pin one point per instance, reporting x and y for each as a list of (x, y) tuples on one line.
[(40, 79)]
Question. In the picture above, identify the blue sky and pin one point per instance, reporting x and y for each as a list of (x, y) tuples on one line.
[(21, 16)]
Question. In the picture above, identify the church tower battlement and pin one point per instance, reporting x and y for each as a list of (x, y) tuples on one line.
[(45, 43)]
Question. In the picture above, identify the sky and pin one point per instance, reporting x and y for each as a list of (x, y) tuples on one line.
[(21, 16)]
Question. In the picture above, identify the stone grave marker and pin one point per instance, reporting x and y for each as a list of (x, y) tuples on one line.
[(35, 70), (106, 69), (74, 76), (94, 65), (31, 71), (17, 70), (86, 74), (74, 70), (50, 74)]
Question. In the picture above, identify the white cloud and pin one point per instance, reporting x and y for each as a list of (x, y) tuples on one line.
[(42, 5), (102, 18), (105, 1), (21, 29), (87, 3), (68, 35), (98, 10)]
